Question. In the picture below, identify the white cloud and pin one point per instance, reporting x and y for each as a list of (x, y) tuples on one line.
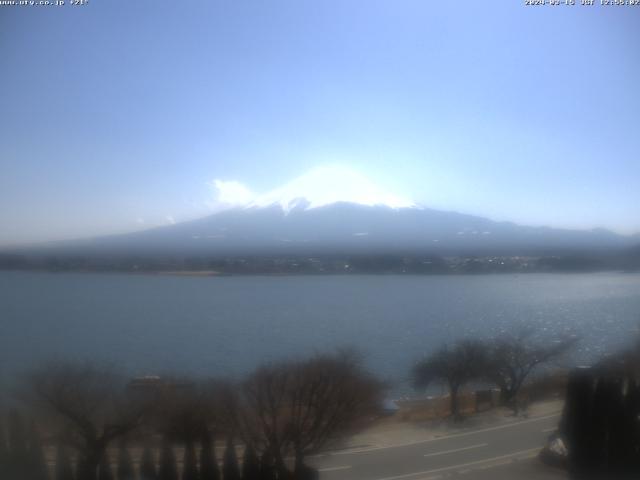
[(230, 194), (328, 184), (170, 220), (321, 186)]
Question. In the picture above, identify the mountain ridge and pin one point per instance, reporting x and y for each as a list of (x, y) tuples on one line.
[(347, 227)]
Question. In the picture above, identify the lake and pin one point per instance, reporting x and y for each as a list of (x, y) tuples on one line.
[(225, 326)]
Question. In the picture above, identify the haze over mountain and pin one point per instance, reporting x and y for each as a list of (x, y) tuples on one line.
[(335, 210)]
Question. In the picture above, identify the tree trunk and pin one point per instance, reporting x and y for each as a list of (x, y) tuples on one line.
[(298, 467), (505, 395), (267, 470), (508, 398), (88, 464), (281, 467), (455, 408), (302, 471)]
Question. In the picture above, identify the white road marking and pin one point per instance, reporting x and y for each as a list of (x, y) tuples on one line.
[(461, 465), (456, 450), (333, 469), (455, 435)]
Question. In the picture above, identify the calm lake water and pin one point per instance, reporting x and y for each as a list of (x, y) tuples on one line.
[(226, 326)]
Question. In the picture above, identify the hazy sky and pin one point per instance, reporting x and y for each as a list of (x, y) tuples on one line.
[(119, 115)]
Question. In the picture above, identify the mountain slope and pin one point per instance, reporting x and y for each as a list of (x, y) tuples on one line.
[(349, 228)]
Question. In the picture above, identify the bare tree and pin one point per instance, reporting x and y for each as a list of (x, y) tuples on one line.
[(300, 407), (183, 410), (455, 367), (262, 417), (511, 359), (189, 410), (89, 405), (330, 397)]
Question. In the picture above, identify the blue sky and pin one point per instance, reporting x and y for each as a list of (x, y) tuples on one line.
[(118, 115)]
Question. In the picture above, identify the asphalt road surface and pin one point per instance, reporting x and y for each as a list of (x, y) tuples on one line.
[(505, 451)]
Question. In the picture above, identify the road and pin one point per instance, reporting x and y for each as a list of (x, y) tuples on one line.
[(501, 451)]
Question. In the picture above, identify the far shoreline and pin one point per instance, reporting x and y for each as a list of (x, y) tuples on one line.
[(219, 274)]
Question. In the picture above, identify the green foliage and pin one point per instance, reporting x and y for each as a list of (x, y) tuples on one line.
[(600, 423)]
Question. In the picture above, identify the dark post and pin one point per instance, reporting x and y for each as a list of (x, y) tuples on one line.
[(576, 420)]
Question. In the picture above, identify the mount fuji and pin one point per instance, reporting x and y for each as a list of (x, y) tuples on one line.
[(334, 210)]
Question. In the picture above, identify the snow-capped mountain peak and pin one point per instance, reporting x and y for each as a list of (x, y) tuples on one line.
[(327, 185)]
